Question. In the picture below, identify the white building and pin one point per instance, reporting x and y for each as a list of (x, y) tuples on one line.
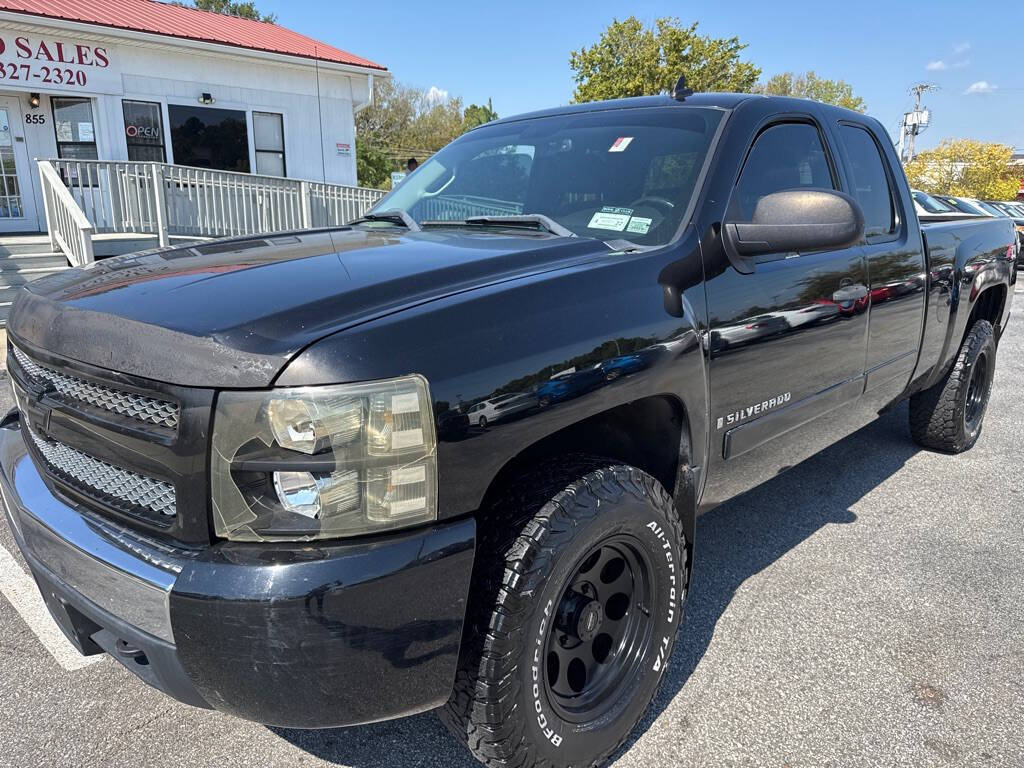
[(144, 80)]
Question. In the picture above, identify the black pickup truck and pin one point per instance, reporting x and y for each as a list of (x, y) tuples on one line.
[(244, 469)]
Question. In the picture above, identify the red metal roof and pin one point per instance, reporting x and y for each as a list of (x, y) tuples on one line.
[(188, 23)]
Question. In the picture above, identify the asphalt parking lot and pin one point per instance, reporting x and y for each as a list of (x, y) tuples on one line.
[(864, 609)]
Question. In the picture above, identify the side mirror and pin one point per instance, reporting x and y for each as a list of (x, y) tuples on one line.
[(797, 220)]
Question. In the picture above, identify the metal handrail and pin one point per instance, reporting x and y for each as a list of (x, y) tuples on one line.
[(175, 200), (70, 231)]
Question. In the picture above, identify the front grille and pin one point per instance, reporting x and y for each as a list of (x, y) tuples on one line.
[(134, 406), (121, 488)]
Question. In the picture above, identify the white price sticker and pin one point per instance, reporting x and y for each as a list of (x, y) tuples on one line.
[(611, 218), (639, 225)]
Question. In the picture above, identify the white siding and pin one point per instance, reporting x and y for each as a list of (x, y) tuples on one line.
[(317, 102)]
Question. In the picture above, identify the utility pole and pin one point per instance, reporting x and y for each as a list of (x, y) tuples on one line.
[(914, 122)]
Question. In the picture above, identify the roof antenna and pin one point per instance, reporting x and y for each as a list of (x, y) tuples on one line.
[(680, 91)]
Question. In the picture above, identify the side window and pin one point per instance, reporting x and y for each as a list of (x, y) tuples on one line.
[(785, 156), (870, 182)]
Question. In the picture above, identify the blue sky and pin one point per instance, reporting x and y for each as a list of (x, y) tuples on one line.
[(518, 54)]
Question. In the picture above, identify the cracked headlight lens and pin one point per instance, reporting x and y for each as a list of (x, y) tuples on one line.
[(309, 463)]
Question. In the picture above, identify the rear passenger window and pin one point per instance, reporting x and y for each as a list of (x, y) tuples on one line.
[(870, 182), (785, 156)]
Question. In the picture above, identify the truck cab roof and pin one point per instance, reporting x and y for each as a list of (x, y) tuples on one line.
[(713, 100)]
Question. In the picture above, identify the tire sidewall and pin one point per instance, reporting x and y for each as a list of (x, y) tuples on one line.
[(567, 743), (987, 346)]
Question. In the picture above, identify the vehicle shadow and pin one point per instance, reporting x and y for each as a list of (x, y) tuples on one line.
[(734, 542), (750, 532)]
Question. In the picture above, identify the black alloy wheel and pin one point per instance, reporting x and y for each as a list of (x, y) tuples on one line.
[(977, 391), (576, 599), (949, 415), (601, 631)]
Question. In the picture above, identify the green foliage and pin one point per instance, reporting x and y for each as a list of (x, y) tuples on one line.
[(373, 168), (405, 122), (633, 60), (478, 115), (966, 168), (435, 124), (808, 85), (245, 10)]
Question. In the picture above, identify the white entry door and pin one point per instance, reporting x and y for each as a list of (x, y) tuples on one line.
[(17, 201)]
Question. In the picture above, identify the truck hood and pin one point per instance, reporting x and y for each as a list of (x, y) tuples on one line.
[(232, 313)]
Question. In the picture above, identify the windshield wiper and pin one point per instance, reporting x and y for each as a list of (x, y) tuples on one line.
[(538, 220), (395, 216)]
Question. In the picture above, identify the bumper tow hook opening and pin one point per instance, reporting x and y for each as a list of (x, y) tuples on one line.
[(129, 651)]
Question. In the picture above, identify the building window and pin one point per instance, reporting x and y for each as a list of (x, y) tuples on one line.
[(144, 131), (76, 132), (268, 130), (209, 137)]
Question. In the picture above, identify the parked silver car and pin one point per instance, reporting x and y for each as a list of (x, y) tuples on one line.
[(491, 411)]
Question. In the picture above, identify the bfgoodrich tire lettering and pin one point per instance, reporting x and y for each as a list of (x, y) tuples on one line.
[(502, 706), (948, 416)]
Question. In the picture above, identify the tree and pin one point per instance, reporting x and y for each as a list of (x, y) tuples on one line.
[(393, 109), (478, 115), (435, 124), (809, 86), (246, 10), (405, 122), (373, 167), (633, 60), (966, 168)]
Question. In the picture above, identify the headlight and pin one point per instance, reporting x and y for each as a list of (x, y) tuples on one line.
[(323, 462)]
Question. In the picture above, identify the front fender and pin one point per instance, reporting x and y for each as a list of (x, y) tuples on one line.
[(512, 337)]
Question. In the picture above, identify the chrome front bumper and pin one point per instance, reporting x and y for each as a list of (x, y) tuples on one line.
[(108, 566)]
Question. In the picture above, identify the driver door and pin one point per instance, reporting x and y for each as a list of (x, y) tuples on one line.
[(787, 342)]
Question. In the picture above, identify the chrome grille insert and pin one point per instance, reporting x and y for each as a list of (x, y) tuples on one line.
[(138, 407), (121, 485)]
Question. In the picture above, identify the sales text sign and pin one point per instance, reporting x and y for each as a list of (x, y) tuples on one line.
[(31, 62)]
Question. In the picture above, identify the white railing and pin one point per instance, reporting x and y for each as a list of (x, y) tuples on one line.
[(70, 230), (164, 200)]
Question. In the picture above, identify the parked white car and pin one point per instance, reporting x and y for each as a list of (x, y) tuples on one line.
[(491, 411)]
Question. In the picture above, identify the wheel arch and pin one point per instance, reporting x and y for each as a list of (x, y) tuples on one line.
[(653, 434), (987, 305)]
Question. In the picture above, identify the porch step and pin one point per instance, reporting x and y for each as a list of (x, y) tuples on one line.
[(14, 245), (29, 261)]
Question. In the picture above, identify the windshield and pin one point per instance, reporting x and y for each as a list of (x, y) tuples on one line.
[(963, 206), (624, 174), (1006, 208), (929, 203), (991, 210)]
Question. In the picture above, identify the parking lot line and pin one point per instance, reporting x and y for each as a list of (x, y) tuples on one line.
[(19, 588)]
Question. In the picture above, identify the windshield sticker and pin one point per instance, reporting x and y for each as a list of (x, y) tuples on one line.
[(611, 218), (620, 144), (639, 225)]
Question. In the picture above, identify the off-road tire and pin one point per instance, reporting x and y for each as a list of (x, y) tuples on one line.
[(531, 540), (939, 415)]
